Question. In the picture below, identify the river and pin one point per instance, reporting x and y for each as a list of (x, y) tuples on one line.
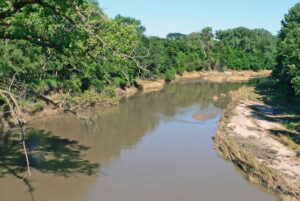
[(149, 148)]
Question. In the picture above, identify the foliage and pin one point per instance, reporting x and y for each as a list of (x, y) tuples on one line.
[(236, 49), (128, 21), (33, 106), (109, 92), (170, 74), (245, 49), (85, 99), (73, 47), (287, 71), (66, 46)]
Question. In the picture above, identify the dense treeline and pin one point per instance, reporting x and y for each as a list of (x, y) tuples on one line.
[(235, 49), (287, 71), (72, 46), (247, 49), (69, 45)]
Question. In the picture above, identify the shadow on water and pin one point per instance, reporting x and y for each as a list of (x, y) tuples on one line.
[(118, 129), (47, 154)]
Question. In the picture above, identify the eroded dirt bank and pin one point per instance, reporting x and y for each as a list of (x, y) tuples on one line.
[(228, 76), (248, 136), (147, 86), (213, 76)]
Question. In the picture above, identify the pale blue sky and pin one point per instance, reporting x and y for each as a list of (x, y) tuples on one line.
[(161, 17)]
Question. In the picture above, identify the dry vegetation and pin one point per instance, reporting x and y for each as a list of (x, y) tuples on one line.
[(245, 138)]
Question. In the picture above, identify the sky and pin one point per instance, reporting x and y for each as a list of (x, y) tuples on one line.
[(161, 17)]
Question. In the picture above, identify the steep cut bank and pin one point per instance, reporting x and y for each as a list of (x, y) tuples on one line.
[(251, 135)]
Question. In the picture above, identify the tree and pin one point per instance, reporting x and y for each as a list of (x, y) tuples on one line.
[(68, 46), (176, 36), (129, 21), (255, 49), (207, 34), (287, 71)]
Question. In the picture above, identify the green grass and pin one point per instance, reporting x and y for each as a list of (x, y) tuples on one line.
[(33, 107), (92, 97)]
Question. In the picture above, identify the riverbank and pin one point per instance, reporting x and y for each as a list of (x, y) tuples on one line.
[(251, 135), (213, 76), (161, 142), (111, 97)]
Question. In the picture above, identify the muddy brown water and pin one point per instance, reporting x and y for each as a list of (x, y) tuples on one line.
[(149, 148)]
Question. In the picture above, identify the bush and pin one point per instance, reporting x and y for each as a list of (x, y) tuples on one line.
[(87, 98), (170, 74), (33, 106), (109, 92)]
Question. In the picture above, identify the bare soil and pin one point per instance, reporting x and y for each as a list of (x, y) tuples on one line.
[(246, 137), (228, 76), (213, 76)]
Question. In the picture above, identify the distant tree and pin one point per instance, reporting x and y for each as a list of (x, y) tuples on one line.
[(176, 36), (207, 34), (243, 49), (131, 21)]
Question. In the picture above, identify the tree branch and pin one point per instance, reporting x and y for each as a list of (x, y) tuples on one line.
[(16, 7)]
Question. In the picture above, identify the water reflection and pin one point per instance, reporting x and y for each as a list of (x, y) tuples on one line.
[(47, 153), (121, 129)]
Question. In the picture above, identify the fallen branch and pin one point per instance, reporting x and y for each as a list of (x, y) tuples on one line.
[(16, 112)]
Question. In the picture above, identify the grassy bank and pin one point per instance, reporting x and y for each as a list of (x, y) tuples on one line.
[(249, 151)]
